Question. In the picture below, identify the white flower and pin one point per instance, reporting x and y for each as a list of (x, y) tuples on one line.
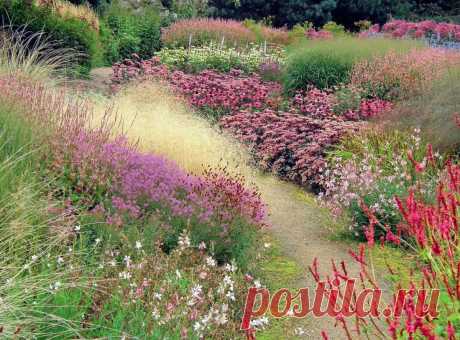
[(60, 260), (231, 267), (77, 228), (34, 258), (157, 296), (299, 331), (221, 319), (210, 261), (196, 291), (267, 245), (230, 296), (155, 314), (202, 246), (197, 327), (138, 245), (124, 275), (259, 323), (228, 280), (184, 240), (98, 240), (56, 285), (257, 284), (178, 274)]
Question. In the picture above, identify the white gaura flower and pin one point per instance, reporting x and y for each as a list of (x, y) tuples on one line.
[(202, 246), (197, 290), (210, 261), (138, 245), (231, 267), (231, 296), (155, 314), (157, 296), (221, 319), (124, 275)]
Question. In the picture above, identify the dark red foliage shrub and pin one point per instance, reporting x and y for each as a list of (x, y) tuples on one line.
[(286, 143)]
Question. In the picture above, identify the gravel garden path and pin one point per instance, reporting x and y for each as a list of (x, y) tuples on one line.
[(300, 226)]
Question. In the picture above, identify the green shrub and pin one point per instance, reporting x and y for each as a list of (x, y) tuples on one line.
[(127, 33), (69, 33), (336, 29), (328, 63), (347, 99)]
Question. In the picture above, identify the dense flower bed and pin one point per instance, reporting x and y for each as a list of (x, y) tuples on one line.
[(313, 34), (373, 167), (428, 29), (212, 57), (290, 137)]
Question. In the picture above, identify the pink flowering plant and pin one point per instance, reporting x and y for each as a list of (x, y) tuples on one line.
[(202, 31), (372, 168)]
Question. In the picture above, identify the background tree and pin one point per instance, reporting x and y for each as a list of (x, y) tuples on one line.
[(292, 12)]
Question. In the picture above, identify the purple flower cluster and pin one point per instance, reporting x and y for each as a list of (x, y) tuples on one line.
[(114, 176)]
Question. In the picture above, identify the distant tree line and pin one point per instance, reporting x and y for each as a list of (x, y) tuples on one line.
[(345, 12)]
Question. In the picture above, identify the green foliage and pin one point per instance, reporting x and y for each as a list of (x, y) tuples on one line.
[(69, 33), (125, 33), (347, 99), (329, 63)]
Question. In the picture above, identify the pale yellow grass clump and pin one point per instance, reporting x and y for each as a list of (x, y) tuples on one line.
[(66, 9), (164, 124)]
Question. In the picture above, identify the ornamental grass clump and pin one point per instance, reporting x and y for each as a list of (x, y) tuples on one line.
[(66, 9), (394, 76), (434, 111), (198, 32), (327, 63)]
